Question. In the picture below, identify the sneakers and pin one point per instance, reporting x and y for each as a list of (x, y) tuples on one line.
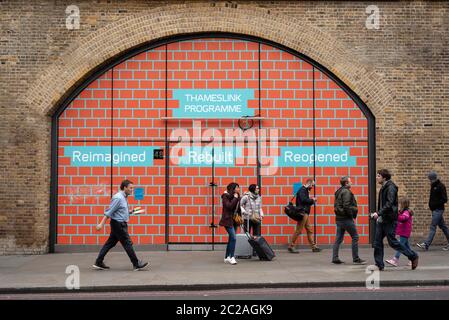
[(316, 249), (359, 261), (230, 260), (423, 246), (337, 261), (415, 263), (100, 266), (409, 263), (292, 250), (140, 266), (393, 261), (446, 248)]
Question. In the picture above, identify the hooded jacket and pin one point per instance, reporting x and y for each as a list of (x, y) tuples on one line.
[(345, 205), (229, 205), (438, 196), (251, 203)]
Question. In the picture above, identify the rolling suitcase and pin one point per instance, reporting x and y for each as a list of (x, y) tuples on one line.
[(243, 249), (262, 247)]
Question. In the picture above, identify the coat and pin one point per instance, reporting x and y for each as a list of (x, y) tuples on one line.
[(251, 203), (229, 205), (405, 222), (303, 199), (345, 205), (438, 196), (387, 203)]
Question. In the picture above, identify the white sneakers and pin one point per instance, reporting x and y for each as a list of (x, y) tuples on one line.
[(230, 260)]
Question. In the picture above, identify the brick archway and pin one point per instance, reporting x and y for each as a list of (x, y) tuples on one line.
[(83, 56)]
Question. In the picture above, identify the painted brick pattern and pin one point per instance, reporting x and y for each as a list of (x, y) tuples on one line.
[(135, 114)]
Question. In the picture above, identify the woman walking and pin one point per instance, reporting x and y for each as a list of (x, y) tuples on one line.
[(231, 206), (251, 206)]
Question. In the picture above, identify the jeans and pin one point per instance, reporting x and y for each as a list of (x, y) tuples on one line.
[(403, 241), (119, 232), (388, 229), (349, 226), (230, 248), (437, 220)]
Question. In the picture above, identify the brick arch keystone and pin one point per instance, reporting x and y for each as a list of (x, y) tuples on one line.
[(83, 56)]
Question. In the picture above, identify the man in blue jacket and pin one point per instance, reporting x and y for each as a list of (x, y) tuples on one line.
[(303, 200)]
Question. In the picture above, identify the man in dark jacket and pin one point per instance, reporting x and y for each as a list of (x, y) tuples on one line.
[(438, 197), (345, 207), (386, 221), (303, 200)]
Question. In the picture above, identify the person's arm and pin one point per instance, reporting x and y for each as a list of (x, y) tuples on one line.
[(443, 194), (261, 213), (348, 208), (404, 216), (305, 199), (115, 204), (243, 202), (388, 207)]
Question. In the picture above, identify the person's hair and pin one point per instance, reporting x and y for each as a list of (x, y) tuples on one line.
[(125, 184), (404, 204), (252, 188), (231, 187), (309, 181), (344, 180), (385, 174)]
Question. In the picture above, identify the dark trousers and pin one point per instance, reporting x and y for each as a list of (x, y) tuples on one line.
[(254, 227), (388, 229), (119, 232), (343, 226)]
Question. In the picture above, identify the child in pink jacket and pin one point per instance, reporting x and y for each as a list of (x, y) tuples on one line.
[(403, 229)]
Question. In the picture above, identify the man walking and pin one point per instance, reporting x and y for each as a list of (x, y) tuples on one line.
[(303, 200), (345, 207), (386, 221), (119, 212), (438, 197)]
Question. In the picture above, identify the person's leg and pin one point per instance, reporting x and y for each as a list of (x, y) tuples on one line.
[(298, 230), (352, 230), (228, 246), (232, 242), (436, 217), (257, 229), (390, 230), (338, 240), (109, 244), (309, 231), (125, 240), (404, 242), (379, 246), (444, 227)]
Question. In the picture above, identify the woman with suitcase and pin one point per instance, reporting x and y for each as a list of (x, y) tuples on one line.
[(231, 206), (251, 206)]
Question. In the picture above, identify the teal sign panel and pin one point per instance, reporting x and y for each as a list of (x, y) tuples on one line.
[(223, 103), (323, 157), (84, 156)]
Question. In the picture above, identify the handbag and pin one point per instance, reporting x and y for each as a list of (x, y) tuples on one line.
[(238, 220), (294, 212), (255, 217)]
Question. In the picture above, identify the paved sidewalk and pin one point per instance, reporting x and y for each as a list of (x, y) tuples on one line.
[(179, 270)]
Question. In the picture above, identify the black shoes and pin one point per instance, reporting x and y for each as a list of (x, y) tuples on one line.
[(316, 249), (337, 261), (359, 261), (100, 266), (140, 266)]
